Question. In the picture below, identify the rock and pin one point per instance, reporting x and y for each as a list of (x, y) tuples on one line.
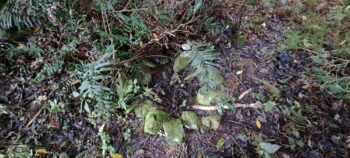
[(153, 121), (190, 120), (142, 111), (212, 122), (264, 71), (207, 96), (174, 132)]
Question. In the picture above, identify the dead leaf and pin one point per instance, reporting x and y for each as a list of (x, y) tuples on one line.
[(36, 29), (116, 155), (141, 44), (155, 36), (258, 124), (42, 152), (220, 143), (20, 46)]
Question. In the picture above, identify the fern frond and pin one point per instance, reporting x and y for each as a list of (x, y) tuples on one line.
[(97, 72), (19, 14), (201, 57)]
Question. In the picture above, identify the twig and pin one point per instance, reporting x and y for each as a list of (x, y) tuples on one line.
[(130, 10), (36, 115), (161, 56), (238, 105), (245, 93), (170, 33)]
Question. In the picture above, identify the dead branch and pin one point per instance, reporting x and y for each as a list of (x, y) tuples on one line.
[(237, 105)]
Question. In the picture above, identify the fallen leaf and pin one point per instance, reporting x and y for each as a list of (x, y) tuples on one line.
[(269, 148), (142, 111), (186, 47), (20, 46), (116, 155), (181, 62), (42, 152), (295, 61), (239, 72), (149, 63), (36, 29), (207, 96), (155, 36), (220, 143), (258, 124)]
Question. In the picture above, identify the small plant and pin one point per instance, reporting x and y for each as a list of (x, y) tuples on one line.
[(295, 114), (258, 96), (338, 86), (21, 151), (105, 142), (53, 67), (126, 90), (264, 149), (127, 135), (48, 70), (294, 40), (200, 56), (55, 106)]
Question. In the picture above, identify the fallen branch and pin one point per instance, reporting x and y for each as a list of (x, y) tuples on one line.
[(237, 105)]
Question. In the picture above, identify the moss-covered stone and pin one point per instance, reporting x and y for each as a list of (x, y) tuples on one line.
[(211, 122), (207, 96), (190, 120), (153, 121), (174, 132)]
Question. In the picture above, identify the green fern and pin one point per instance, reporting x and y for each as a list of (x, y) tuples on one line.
[(98, 71), (53, 67), (200, 56), (103, 88), (96, 88), (18, 14)]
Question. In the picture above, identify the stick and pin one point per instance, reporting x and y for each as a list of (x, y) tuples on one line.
[(238, 105), (36, 115), (245, 93)]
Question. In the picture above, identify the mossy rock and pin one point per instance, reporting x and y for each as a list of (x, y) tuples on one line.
[(153, 121), (142, 111), (174, 132), (190, 120), (207, 96), (211, 122)]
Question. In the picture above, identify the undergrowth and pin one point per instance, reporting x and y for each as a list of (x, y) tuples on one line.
[(110, 48), (324, 34), (109, 56)]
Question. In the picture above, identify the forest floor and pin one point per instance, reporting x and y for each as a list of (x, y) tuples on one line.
[(293, 116)]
